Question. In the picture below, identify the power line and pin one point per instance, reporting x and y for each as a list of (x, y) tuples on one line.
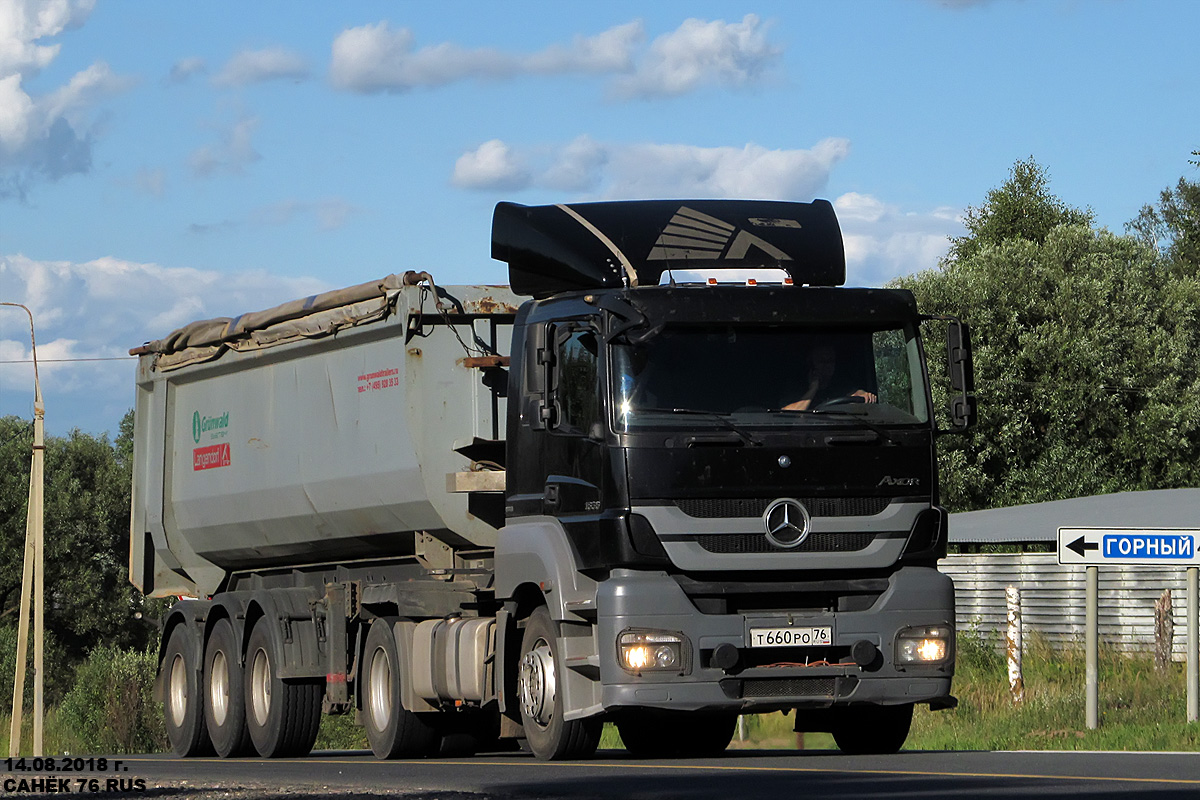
[(67, 360)]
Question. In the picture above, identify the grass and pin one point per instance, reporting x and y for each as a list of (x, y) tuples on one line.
[(58, 738), (1140, 707)]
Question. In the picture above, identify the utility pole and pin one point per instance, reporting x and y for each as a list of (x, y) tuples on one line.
[(32, 574)]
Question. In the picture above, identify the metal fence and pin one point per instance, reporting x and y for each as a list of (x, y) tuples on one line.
[(1052, 599)]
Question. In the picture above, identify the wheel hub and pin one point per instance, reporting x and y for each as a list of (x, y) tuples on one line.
[(536, 683), (218, 689), (178, 691), (379, 690), (260, 688)]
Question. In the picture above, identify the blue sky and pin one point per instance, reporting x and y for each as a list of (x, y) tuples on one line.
[(165, 162)]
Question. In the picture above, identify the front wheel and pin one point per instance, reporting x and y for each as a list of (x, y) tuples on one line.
[(283, 717), (872, 730), (550, 737)]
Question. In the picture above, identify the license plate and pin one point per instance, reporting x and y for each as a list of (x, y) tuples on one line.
[(791, 637)]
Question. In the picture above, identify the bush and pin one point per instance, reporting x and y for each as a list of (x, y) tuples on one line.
[(111, 708), (979, 651), (54, 662)]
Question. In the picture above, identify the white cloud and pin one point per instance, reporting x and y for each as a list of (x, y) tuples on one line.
[(257, 66), (23, 23), (328, 214), (609, 51), (183, 70), (490, 166), (701, 53), (151, 181), (44, 137), (378, 58), (884, 241), (576, 167), (654, 170), (231, 155), (100, 309)]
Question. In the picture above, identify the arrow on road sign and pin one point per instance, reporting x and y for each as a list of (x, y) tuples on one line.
[(1081, 546)]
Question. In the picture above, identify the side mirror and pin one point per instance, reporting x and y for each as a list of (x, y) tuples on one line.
[(963, 408)]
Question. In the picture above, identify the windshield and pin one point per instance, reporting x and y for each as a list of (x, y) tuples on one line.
[(769, 376)]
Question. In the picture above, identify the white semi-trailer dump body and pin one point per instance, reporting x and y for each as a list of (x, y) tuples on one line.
[(319, 437)]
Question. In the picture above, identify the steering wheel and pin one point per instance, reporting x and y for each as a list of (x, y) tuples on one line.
[(850, 399)]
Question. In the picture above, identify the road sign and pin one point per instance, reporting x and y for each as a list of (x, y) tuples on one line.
[(1148, 547)]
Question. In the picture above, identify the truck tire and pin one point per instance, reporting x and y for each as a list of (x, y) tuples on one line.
[(183, 702), (549, 736), (680, 735), (872, 730), (393, 731), (224, 697), (282, 716)]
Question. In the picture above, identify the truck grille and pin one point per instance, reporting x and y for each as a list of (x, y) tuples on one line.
[(743, 543), (726, 508)]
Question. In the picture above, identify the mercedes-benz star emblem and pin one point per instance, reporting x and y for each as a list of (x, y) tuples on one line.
[(786, 521)]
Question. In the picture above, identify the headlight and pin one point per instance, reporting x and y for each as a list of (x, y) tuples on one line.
[(646, 651), (924, 645)]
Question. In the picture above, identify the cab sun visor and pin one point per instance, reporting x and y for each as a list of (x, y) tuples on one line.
[(560, 248)]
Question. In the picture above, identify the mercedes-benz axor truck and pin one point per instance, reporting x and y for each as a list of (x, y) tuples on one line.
[(674, 473)]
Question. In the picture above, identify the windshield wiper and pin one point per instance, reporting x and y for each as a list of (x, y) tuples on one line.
[(824, 412), (747, 437)]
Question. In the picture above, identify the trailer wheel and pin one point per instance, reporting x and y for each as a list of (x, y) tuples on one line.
[(393, 731), (283, 716), (550, 737), (872, 730), (224, 696), (686, 735), (182, 699)]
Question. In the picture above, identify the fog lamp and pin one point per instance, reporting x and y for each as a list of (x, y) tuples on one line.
[(924, 645), (641, 651)]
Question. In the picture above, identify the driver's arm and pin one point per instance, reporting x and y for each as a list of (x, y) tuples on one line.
[(804, 402)]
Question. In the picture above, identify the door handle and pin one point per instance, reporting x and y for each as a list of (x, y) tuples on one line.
[(550, 498)]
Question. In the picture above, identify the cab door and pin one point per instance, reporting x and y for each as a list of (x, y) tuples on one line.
[(574, 444)]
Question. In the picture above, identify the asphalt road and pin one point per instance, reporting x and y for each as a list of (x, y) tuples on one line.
[(739, 775)]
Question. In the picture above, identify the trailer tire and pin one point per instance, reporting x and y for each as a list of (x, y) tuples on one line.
[(549, 736), (392, 730), (224, 693), (182, 699), (872, 730), (676, 735), (282, 716)]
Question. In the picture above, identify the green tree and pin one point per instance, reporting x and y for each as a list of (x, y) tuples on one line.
[(1173, 226), (89, 599), (1085, 355), (1022, 208)]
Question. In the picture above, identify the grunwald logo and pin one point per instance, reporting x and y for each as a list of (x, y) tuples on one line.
[(202, 425), (691, 235)]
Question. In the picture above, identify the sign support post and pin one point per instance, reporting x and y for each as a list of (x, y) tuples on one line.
[(1091, 639), (1193, 673)]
